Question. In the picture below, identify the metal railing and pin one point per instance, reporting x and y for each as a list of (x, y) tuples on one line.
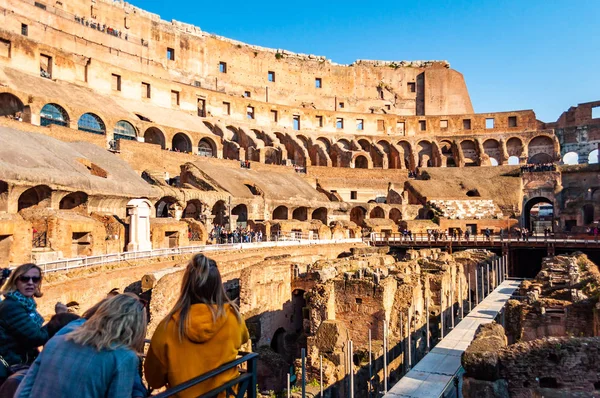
[(40, 239), (80, 262), (376, 237), (246, 382)]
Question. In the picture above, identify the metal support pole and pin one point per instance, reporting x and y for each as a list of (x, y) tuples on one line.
[(427, 312), (321, 373), (462, 302), (370, 385), (289, 390), (303, 373), (385, 388), (351, 368), (409, 342), (469, 281), (488, 278), (442, 313), (476, 286), (451, 301)]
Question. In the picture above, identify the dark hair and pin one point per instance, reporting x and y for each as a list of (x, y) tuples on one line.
[(59, 321)]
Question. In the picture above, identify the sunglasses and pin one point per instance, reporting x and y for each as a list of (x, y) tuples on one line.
[(34, 279)]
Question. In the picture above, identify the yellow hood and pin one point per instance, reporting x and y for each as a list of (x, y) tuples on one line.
[(202, 327)]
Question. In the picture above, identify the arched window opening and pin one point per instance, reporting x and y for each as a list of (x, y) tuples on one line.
[(219, 213), (181, 143), (513, 161), (588, 214), (300, 214), (395, 215), (571, 158), (206, 148), (473, 193), (538, 214), (54, 114), (154, 136), (280, 213), (357, 215), (91, 123), (377, 212), (241, 211), (320, 214), (124, 131), (593, 157), (193, 210), (11, 106), (361, 162), (35, 196), (541, 150), (167, 207), (73, 200)]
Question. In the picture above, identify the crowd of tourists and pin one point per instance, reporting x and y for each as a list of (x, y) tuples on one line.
[(99, 354), (245, 164), (221, 235), (538, 167)]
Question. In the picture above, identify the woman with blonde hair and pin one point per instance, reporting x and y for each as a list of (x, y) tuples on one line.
[(203, 331), (21, 330), (99, 359)]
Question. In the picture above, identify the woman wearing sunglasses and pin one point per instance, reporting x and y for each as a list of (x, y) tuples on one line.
[(21, 330)]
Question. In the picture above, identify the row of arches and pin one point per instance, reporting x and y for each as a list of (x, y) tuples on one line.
[(40, 195), (572, 158)]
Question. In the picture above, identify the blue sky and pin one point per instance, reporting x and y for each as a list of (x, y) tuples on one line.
[(526, 54)]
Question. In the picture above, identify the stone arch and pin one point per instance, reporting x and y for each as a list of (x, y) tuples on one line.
[(272, 155), (73, 200), (39, 195), (377, 212), (3, 196), (241, 211), (513, 161), (345, 144), (514, 147), (571, 158), (425, 154), (11, 106), (207, 148), (408, 154), (425, 214), (167, 207), (361, 162), (305, 141), (593, 157), (91, 123), (325, 142), (492, 148), (392, 155), (193, 209), (541, 149), (124, 131), (448, 152), (300, 214), (395, 215), (527, 222), (357, 215), (364, 144), (219, 212), (469, 150), (181, 143), (54, 114), (154, 135), (280, 213), (320, 214)]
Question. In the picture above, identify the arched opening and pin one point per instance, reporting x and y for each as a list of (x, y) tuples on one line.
[(593, 157), (219, 213), (357, 215), (304, 141), (425, 214), (395, 215), (278, 341), (73, 200), (377, 212), (326, 142), (54, 114), (320, 214), (124, 131), (280, 213), (11, 106), (364, 144), (491, 148), (541, 150), (469, 149), (35, 196), (300, 214), (344, 143), (425, 154), (193, 209), (272, 156), (241, 211), (513, 161), (493, 162), (361, 162), (588, 214), (91, 123), (447, 150), (407, 149), (538, 214), (3, 196), (167, 207), (181, 143), (473, 193), (207, 148), (155, 136), (514, 147), (571, 158)]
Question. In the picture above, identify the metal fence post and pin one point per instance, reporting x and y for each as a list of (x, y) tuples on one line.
[(304, 373)]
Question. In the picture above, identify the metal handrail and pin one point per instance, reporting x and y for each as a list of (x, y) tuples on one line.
[(247, 381)]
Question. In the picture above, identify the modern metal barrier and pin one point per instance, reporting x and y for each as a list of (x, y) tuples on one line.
[(246, 382)]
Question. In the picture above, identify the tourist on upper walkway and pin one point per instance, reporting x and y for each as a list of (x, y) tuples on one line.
[(99, 359), (21, 330), (203, 331)]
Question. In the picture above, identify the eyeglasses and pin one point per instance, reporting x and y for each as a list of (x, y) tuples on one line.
[(34, 279)]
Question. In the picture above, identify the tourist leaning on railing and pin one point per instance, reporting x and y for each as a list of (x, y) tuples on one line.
[(203, 331), (99, 359), (21, 330)]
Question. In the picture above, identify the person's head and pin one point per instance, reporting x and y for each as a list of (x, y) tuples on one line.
[(59, 321), (119, 322), (201, 284), (92, 310), (26, 279)]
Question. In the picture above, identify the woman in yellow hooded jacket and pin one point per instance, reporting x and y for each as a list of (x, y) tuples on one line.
[(203, 331)]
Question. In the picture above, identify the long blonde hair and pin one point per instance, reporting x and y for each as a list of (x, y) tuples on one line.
[(119, 322), (201, 284), (11, 283)]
